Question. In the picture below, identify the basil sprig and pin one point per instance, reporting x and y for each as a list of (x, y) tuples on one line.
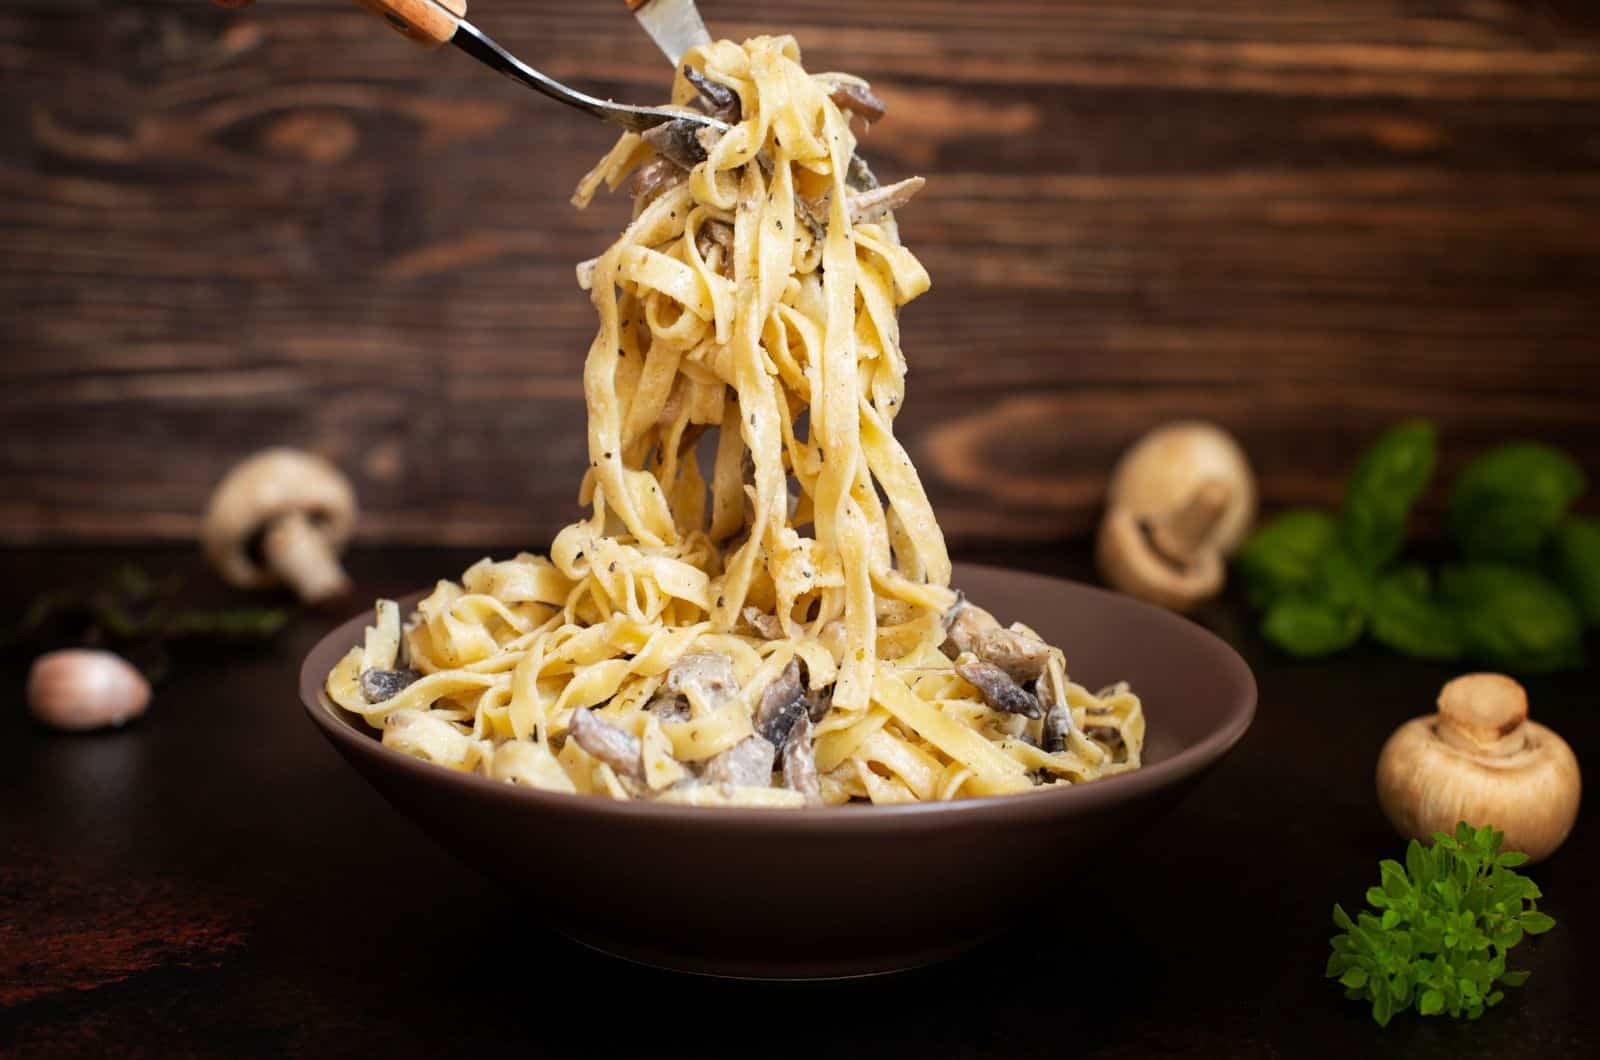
[(1529, 581)]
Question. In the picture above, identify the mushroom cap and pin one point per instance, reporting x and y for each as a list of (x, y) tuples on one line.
[(267, 486), (1166, 466), (1131, 565), (1528, 788)]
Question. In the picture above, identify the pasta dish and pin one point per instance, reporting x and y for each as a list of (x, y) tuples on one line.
[(765, 619)]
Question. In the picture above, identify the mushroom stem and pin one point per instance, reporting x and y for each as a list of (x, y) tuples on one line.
[(302, 556), (1484, 715), (1180, 534)]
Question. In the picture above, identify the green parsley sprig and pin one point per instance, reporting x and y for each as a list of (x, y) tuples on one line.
[(1443, 925)]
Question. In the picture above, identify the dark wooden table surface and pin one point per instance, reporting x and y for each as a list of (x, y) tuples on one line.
[(215, 881)]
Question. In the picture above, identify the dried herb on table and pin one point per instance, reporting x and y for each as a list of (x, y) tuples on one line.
[(1441, 928), (136, 616)]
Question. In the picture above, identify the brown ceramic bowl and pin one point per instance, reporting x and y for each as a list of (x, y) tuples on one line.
[(855, 890)]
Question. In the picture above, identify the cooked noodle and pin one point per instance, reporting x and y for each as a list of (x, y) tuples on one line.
[(785, 633)]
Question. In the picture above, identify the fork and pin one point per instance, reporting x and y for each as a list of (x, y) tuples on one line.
[(676, 26), (431, 23)]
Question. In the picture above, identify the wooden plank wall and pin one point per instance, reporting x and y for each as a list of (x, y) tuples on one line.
[(1302, 218)]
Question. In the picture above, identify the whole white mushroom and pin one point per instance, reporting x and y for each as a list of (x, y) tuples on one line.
[(1481, 760), (282, 517), (1181, 501)]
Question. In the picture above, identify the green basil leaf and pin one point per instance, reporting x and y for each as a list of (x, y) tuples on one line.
[(1404, 616), (1536, 923), (1309, 629), (1513, 619), (1381, 490), (1382, 1008), (1576, 555), (1505, 503), (1280, 558), (1340, 580)]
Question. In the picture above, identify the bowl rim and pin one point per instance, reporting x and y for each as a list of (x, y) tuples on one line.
[(1064, 799)]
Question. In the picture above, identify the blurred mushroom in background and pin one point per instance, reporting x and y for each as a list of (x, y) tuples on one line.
[(1181, 501), (282, 517)]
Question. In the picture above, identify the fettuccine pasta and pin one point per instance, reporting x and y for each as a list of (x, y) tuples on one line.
[(779, 630)]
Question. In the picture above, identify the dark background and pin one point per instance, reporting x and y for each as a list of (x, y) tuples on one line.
[(1303, 218)]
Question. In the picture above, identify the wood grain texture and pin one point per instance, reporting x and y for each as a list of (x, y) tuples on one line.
[(225, 230)]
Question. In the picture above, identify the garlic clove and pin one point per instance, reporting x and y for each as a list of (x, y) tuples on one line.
[(79, 689)]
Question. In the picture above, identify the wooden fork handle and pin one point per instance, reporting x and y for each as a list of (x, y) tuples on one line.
[(428, 22)]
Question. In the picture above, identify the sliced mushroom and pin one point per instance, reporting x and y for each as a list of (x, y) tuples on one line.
[(782, 705), (821, 703), (969, 628), (1057, 729), (716, 234), (282, 516), (812, 214), (853, 94), (766, 625), (720, 101), (380, 685), (998, 689), (705, 679), (1107, 735), (676, 142), (871, 205), (747, 764), (1058, 724), (683, 141), (800, 763), (655, 177), (614, 746), (668, 706)]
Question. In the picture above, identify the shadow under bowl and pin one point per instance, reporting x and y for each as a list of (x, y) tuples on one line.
[(842, 891)]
